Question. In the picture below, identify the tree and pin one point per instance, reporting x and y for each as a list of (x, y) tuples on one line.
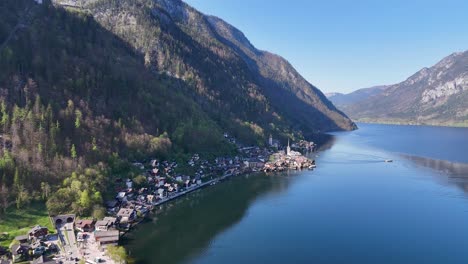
[(73, 151), (78, 118), (99, 212), (45, 187), (97, 198), (4, 116), (17, 181), (22, 197), (117, 254), (4, 197), (61, 201), (139, 181), (85, 200), (94, 145)]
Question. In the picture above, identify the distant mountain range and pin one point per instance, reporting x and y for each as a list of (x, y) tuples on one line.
[(434, 96), (341, 100)]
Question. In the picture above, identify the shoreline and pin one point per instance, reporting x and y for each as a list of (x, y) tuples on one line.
[(210, 183), (409, 123), (181, 194)]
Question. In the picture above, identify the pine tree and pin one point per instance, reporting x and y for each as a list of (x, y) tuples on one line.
[(73, 152), (78, 115)]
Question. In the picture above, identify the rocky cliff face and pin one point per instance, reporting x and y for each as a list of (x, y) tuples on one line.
[(435, 95)]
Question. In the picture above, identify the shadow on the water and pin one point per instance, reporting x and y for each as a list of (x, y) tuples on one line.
[(185, 228), (324, 141), (452, 172)]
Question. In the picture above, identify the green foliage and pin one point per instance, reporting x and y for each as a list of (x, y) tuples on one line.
[(18, 222), (78, 104), (139, 181), (117, 254), (78, 118), (73, 152), (99, 212)]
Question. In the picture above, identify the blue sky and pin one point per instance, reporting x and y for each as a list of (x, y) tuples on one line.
[(343, 45)]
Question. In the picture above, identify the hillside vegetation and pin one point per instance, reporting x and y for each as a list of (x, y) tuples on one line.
[(86, 90)]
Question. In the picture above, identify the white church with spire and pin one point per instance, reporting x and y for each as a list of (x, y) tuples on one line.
[(291, 153)]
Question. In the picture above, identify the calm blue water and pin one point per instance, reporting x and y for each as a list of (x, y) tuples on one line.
[(443, 143), (354, 208)]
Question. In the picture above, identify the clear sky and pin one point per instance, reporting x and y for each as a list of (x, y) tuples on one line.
[(343, 45)]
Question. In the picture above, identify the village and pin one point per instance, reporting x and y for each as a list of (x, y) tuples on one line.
[(86, 240)]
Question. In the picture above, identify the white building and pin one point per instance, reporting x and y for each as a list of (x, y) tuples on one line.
[(161, 193), (288, 149)]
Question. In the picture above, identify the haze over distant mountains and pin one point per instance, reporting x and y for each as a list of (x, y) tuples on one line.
[(435, 96), (341, 100)]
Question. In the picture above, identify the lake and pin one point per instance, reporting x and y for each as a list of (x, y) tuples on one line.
[(354, 208)]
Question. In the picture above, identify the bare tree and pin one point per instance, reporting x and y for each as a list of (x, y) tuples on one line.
[(4, 197)]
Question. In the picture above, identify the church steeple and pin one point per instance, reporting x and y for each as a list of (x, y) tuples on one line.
[(288, 149)]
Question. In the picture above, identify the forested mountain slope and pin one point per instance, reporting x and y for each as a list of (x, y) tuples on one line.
[(218, 59), (87, 88)]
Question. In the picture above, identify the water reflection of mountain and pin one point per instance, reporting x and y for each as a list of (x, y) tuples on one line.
[(325, 142), (451, 171), (186, 227)]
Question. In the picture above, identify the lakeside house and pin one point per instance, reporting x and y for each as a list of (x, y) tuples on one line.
[(126, 215), (161, 192), (84, 225), (105, 224), (151, 198), (254, 163), (106, 238)]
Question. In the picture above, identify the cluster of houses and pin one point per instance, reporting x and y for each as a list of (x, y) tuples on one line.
[(40, 246), (288, 159), (105, 231), (304, 146), (33, 246), (162, 184)]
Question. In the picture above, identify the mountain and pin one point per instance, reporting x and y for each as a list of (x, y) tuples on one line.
[(343, 100), (436, 96), (281, 83), (267, 76), (89, 86)]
